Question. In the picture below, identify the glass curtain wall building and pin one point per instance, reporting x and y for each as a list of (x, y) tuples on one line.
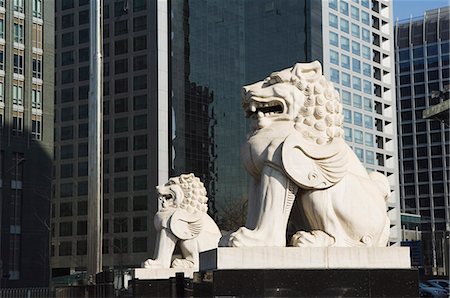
[(423, 55), (219, 46), (26, 140)]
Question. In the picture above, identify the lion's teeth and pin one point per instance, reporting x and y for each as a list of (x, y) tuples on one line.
[(253, 109), (260, 114)]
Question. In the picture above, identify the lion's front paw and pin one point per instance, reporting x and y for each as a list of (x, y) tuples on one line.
[(182, 263), (315, 238), (244, 237), (152, 264)]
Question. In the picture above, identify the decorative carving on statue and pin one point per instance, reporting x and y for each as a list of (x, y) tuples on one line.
[(183, 220), (298, 160)]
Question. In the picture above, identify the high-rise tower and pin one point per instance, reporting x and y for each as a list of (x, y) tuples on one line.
[(26, 140), (422, 61)]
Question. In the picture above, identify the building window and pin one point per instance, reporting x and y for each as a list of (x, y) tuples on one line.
[(346, 97), (358, 118), (18, 5), (345, 43), (334, 77), (18, 61), (370, 157), (367, 69), (36, 127), (343, 7), (354, 13), (357, 101), (37, 36), (367, 87), (140, 244), (334, 57), (139, 203), (368, 104), (2, 90), (140, 142), (365, 35), (345, 26), (356, 83), (365, 18), (358, 136), (139, 5), (37, 8), (2, 117), (360, 153), (2, 26), (17, 128), (369, 139), (368, 121), (356, 65), (2, 57), (140, 62), (333, 20), (366, 52), (345, 61), (18, 31), (348, 134), (140, 43), (356, 48), (18, 92), (347, 116), (36, 97), (355, 30), (346, 79), (37, 66), (334, 39)]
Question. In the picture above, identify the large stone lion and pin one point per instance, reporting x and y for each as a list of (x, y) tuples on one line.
[(296, 153), (183, 219)]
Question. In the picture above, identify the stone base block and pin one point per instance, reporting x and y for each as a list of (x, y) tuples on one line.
[(160, 273), (307, 283), (305, 258)]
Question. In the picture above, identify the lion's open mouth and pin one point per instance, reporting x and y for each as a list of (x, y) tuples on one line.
[(264, 109)]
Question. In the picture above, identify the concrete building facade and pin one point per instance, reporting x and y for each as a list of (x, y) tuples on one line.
[(26, 141)]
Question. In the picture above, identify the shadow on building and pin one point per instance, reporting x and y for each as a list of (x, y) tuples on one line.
[(25, 200)]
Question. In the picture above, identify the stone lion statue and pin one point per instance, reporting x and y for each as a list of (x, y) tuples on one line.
[(183, 220), (298, 160)]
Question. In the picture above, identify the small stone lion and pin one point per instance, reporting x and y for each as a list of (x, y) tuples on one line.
[(183, 219), (297, 157)]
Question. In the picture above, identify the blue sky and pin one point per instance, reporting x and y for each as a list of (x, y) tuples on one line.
[(404, 8)]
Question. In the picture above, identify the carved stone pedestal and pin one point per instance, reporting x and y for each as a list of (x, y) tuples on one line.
[(306, 272)]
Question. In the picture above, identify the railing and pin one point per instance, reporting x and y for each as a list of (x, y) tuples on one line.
[(27, 293)]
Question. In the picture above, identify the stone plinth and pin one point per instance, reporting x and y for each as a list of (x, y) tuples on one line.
[(160, 273), (226, 258), (307, 283)]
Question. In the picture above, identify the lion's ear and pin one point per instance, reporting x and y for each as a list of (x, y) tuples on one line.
[(313, 166), (186, 225)]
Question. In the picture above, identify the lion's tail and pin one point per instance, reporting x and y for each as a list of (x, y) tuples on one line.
[(382, 183)]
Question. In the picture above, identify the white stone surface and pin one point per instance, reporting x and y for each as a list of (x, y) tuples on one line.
[(183, 220), (305, 258), (296, 154), (160, 273)]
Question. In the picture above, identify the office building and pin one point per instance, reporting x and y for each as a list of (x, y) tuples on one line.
[(130, 126), (422, 61), (26, 141)]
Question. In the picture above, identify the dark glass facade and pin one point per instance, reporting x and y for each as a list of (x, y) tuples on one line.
[(422, 62), (130, 134), (218, 47)]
